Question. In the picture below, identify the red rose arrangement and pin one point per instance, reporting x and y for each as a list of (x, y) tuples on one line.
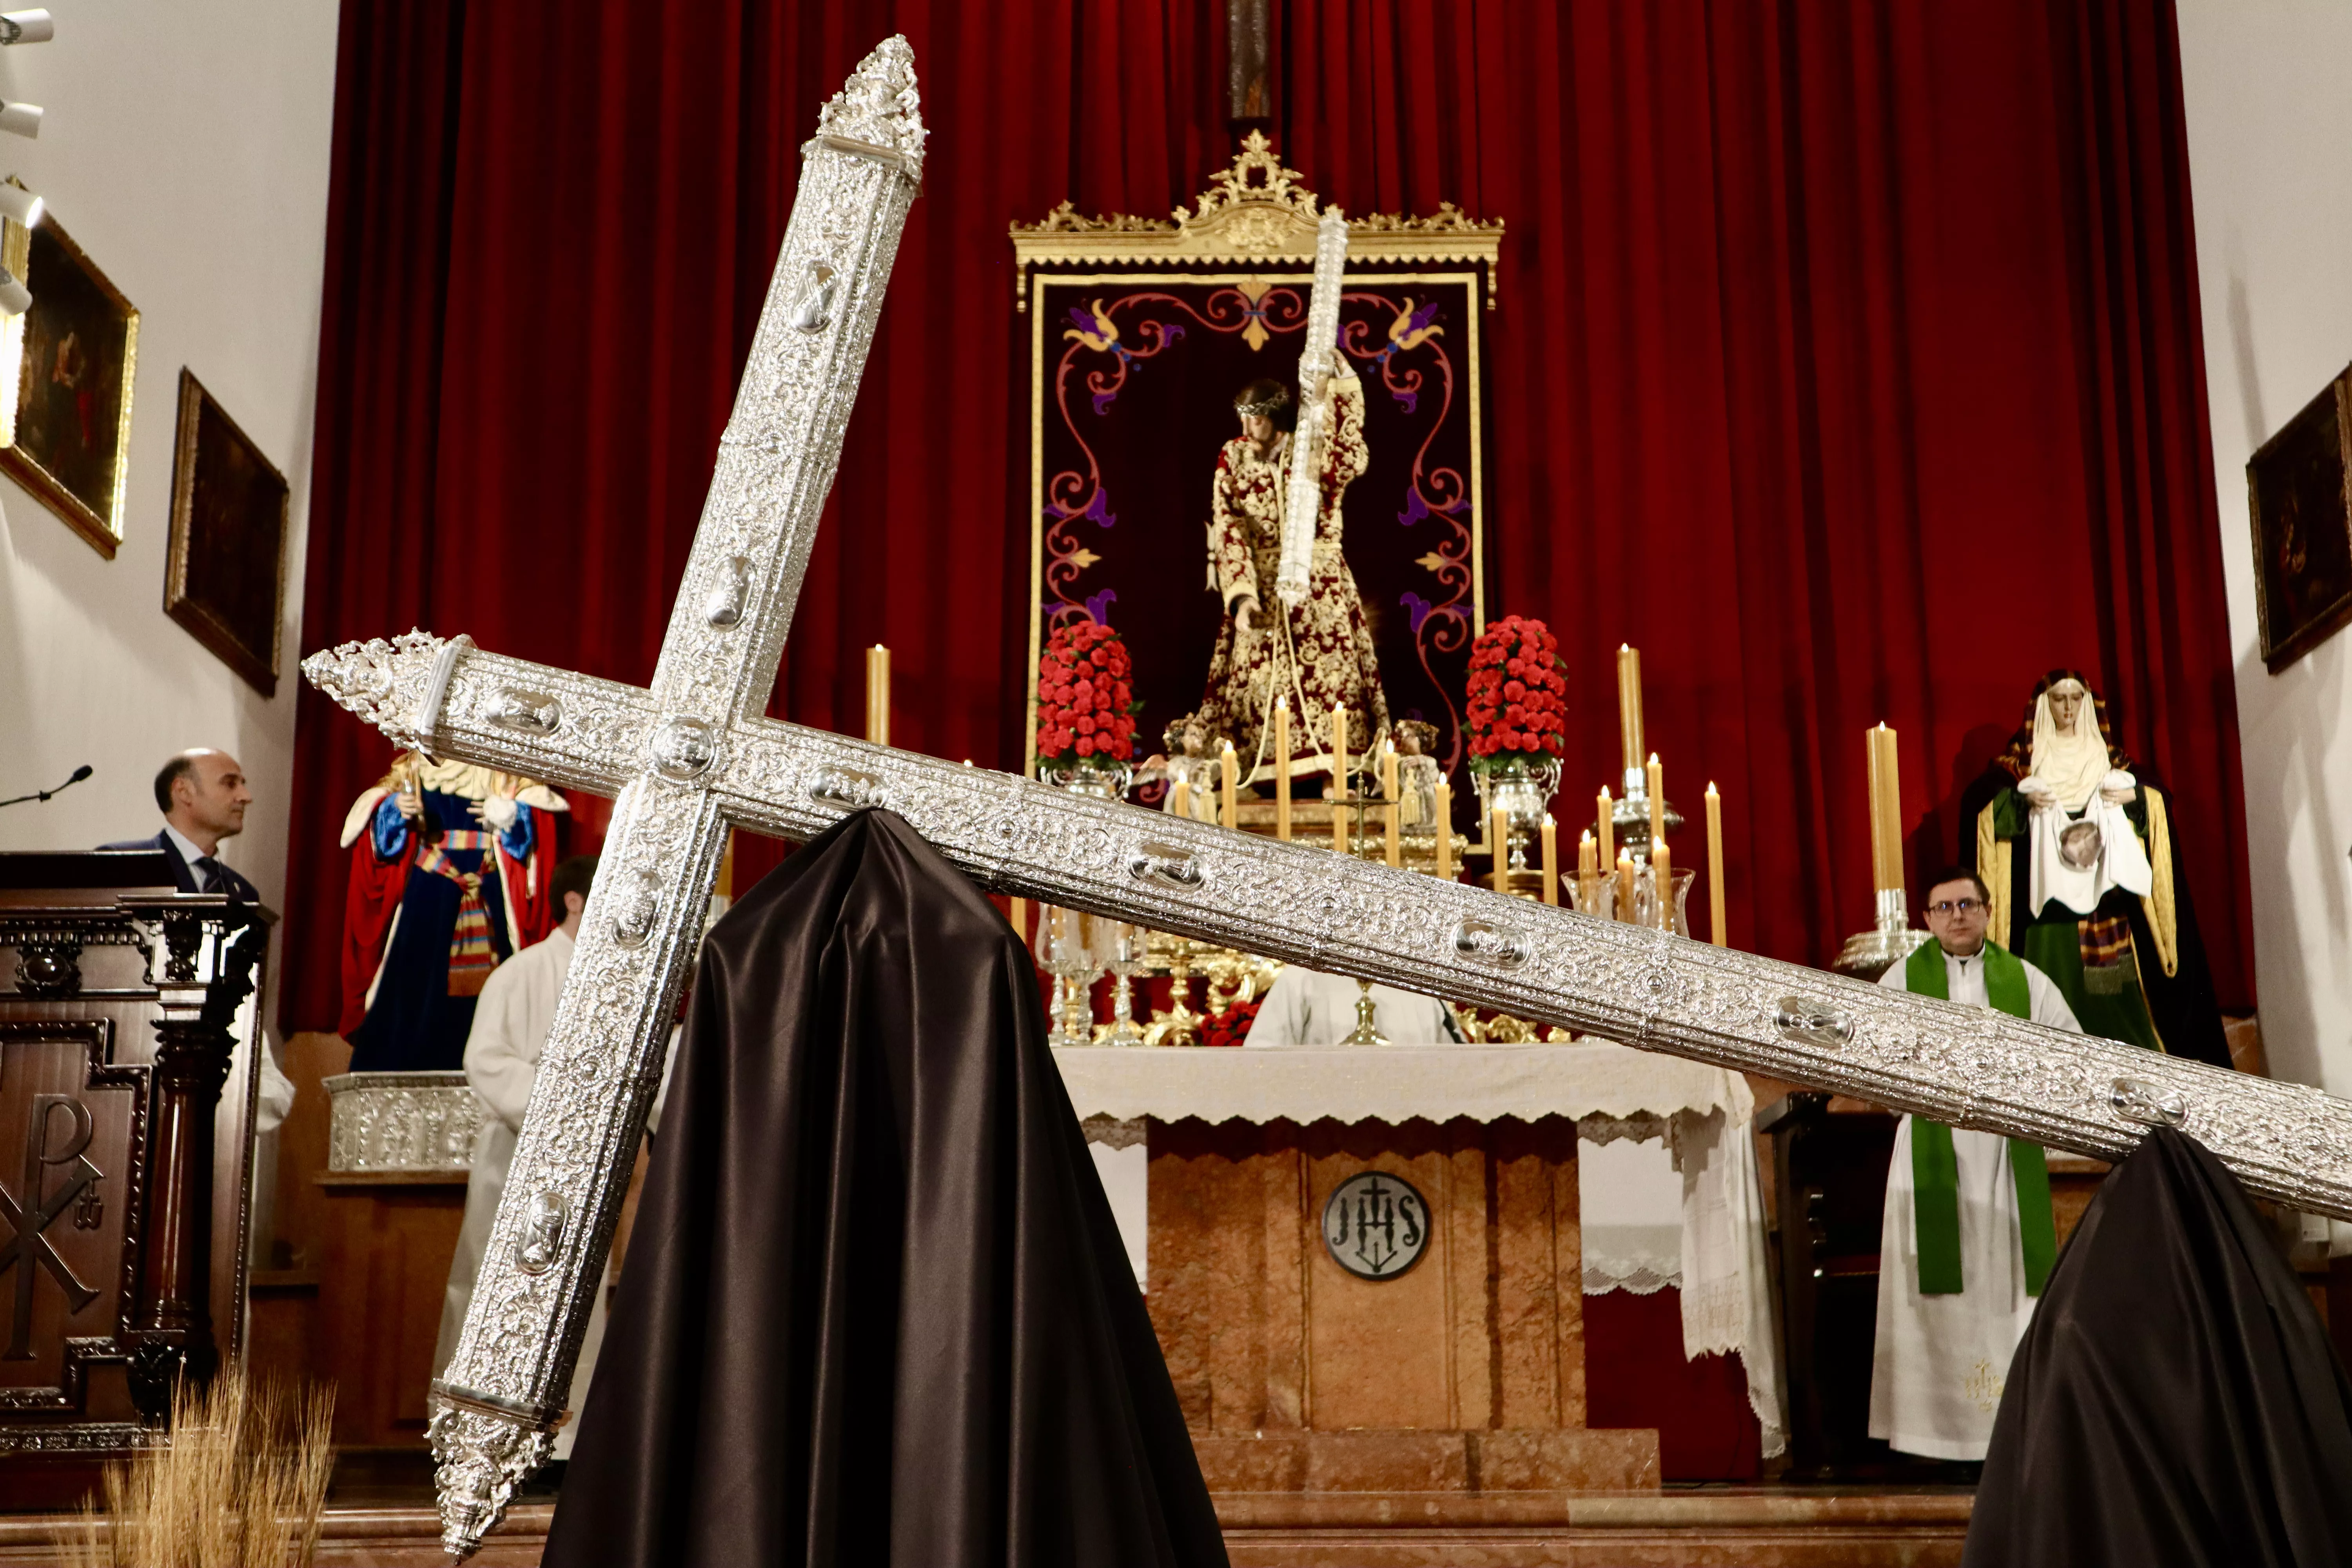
[(1518, 696), (1085, 698), (1232, 1026)]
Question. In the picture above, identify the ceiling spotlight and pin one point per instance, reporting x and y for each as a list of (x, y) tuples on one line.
[(19, 205), (20, 118), (26, 27), (15, 298)]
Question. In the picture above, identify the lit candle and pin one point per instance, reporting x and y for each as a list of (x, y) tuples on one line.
[(1625, 884), (1396, 808), (1282, 768), (877, 695), (1608, 830), (1180, 800), (1588, 873), (1662, 877), (1657, 799), (1445, 831), (1715, 868), (1340, 777), (1551, 860), (1229, 766), (1629, 704), (1500, 830)]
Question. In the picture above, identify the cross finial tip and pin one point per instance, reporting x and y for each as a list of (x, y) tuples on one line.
[(878, 104)]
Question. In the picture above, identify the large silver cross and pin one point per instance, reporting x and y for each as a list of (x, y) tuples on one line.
[(694, 754)]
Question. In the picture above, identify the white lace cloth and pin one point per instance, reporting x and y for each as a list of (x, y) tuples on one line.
[(1613, 1092)]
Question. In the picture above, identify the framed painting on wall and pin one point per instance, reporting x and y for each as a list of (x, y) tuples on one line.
[(226, 577), (70, 440), (2299, 486)]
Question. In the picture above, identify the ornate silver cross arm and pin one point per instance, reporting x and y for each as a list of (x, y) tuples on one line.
[(693, 754), (662, 752)]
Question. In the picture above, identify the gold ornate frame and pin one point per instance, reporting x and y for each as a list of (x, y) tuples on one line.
[(1258, 216), (102, 533), (1257, 211)]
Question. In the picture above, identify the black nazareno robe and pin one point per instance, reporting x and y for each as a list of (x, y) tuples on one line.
[(875, 1309), (2175, 1400)]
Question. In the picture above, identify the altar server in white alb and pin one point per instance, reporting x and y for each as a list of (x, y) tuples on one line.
[(1305, 1008), (1968, 1239), (511, 1027)]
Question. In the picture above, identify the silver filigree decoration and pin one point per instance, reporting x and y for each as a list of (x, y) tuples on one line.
[(879, 105)]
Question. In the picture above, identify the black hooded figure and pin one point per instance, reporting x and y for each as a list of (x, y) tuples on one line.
[(2175, 1401), (2133, 968), (875, 1309)]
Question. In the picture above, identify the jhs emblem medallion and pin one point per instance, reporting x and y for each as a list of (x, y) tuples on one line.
[(1375, 1225)]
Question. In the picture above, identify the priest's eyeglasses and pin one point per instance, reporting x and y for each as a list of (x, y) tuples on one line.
[(1951, 907)]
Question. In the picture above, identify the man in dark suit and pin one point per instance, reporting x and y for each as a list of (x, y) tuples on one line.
[(202, 797)]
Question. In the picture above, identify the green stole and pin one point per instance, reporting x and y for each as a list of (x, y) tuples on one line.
[(1935, 1171)]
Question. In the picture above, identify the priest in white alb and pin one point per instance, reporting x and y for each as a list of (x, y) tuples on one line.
[(511, 1027), (1306, 1007), (1967, 1238)]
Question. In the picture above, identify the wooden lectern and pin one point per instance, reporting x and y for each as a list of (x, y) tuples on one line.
[(128, 1021)]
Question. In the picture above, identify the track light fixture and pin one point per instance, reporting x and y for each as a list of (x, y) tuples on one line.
[(15, 298), (19, 205), (20, 118), (26, 27)]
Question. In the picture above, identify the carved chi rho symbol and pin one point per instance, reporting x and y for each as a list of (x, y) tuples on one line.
[(31, 1211), (693, 754)]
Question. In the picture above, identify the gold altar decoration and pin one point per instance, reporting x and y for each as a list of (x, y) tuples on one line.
[(1255, 211)]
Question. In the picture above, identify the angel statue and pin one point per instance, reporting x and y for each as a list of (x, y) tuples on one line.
[(1319, 652), (2077, 848)]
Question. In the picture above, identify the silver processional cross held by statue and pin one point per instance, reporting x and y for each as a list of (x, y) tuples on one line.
[(694, 754)]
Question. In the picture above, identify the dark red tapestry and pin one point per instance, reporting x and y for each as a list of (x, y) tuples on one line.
[(1848, 362)]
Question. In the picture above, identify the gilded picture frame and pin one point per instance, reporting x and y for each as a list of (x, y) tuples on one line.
[(2299, 491), (225, 576), (74, 355), (1114, 303)]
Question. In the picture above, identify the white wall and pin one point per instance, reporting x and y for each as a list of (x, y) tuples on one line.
[(186, 149), (2270, 126)]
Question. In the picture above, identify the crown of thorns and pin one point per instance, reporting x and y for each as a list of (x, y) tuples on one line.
[(1264, 406)]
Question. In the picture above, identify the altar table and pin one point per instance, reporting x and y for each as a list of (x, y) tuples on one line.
[(1467, 1371)]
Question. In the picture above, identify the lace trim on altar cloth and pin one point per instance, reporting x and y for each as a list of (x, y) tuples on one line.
[(1602, 1275)]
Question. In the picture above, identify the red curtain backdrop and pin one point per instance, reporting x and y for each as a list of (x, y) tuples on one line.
[(1848, 364)]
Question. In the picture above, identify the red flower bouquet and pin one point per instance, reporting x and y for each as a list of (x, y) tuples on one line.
[(1232, 1026), (1085, 698), (1517, 708)]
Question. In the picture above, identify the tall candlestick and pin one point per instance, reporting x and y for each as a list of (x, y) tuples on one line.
[(1282, 768), (1629, 704), (1445, 831), (1180, 799), (1340, 777), (1228, 767), (1662, 877), (1498, 828), (877, 695), (1551, 860), (1396, 808), (1716, 932), (1608, 830), (1657, 799)]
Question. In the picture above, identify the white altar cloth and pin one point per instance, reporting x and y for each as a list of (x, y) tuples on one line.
[(1705, 1114), (1398, 1083)]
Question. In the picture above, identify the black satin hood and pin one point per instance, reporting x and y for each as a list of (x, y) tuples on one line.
[(875, 1309), (2175, 1400)]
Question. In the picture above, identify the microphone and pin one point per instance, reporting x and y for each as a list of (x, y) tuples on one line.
[(79, 773)]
